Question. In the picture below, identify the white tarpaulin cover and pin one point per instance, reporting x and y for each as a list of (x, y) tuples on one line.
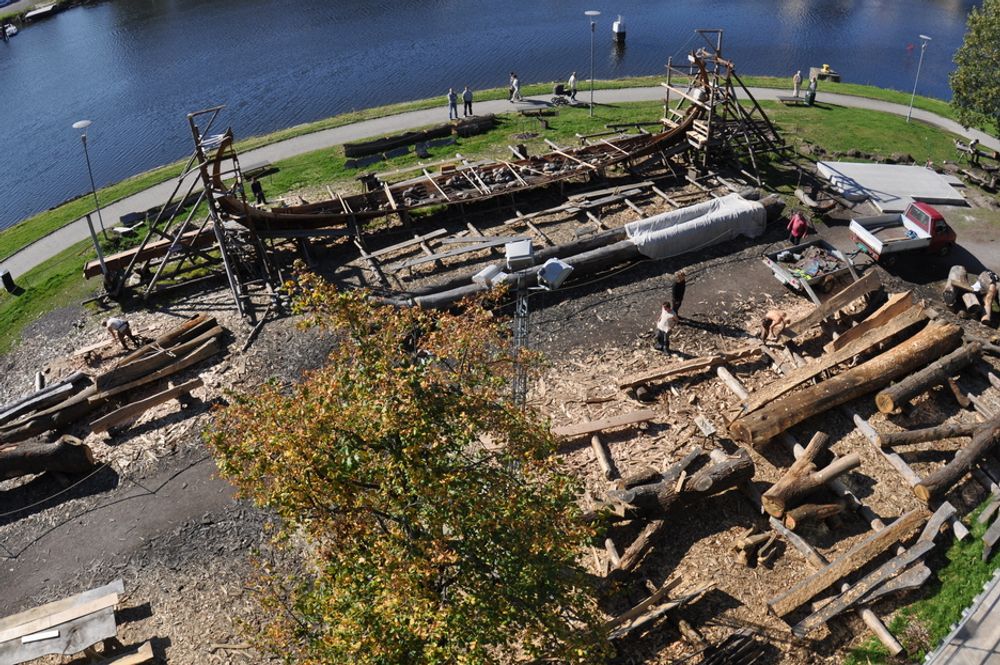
[(698, 226)]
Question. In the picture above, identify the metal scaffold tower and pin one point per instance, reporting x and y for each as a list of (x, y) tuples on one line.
[(733, 126)]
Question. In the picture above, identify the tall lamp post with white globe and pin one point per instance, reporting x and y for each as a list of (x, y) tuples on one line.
[(84, 124), (593, 14), (923, 46)]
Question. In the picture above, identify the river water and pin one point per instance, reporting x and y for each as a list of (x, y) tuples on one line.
[(137, 67)]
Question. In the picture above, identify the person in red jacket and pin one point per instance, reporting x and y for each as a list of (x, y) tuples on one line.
[(797, 228)]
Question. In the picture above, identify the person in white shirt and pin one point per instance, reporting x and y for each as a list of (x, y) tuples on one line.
[(664, 326), (572, 86), (119, 329)]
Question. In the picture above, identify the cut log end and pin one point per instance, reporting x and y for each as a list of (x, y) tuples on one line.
[(884, 403), (923, 493)]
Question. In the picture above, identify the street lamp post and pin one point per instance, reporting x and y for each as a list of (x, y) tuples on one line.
[(84, 124), (593, 14), (923, 45)]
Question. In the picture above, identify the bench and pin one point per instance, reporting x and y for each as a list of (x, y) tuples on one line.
[(791, 100)]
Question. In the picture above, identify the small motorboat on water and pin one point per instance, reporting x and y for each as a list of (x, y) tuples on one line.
[(10, 30)]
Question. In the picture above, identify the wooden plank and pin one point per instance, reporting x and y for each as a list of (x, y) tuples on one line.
[(619, 189), (559, 151), (858, 590), (416, 240), (862, 344), (54, 607), (74, 636), (62, 616), (896, 305), (945, 512), (135, 409), (143, 654), (410, 263), (693, 365), (990, 539), (205, 351), (595, 426), (867, 284), (474, 239), (854, 559)]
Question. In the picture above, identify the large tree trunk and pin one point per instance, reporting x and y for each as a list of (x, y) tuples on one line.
[(64, 456), (866, 342), (934, 374), (891, 439), (926, 346), (939, 482), (867, 284), (193, 326), (62, 415)]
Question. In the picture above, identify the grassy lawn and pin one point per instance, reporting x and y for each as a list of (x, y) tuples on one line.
[(40, 225), (919, 627)]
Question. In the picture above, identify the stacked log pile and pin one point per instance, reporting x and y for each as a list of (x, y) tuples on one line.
[(30, 428)]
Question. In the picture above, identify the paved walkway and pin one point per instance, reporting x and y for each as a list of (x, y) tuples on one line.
[(976, 640), (47, 247)]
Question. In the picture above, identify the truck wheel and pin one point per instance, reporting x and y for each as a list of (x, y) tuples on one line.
[(946, 250), (889, 261)]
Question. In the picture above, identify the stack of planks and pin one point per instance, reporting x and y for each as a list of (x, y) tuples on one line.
[(23, 448)]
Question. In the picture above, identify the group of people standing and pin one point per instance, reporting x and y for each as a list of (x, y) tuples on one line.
[(453, 103), (797, 84)]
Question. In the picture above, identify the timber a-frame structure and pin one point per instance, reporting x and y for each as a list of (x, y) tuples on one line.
[(733, 127)]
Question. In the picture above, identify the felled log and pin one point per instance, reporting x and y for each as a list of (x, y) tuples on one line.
[(126, 373), (652, 615), (937, 373), (939, 482), (722, 473), (173, 336), (896, 305), (61, 415), (970, 301), (803, 477), (854, 559), (49, 396), (926, 346), (858, 590), (203, 352), (66, 455), (137, 408), (892, 439), (811, 512), (908, 319), (635, 552)]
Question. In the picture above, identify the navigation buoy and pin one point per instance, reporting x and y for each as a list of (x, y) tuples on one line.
[(618, 29)]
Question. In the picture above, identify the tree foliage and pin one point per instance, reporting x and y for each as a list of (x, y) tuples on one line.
[(975, 83), (436, 523)]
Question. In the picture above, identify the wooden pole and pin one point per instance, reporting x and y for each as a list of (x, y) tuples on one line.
[(892, 439)]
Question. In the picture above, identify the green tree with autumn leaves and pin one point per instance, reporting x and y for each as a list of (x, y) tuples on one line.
[(430, 518)]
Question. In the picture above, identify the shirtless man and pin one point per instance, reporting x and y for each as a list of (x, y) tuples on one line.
[(119, 329), (772, 325)]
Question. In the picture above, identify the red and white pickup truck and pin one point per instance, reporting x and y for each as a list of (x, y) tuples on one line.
[(921, 227)]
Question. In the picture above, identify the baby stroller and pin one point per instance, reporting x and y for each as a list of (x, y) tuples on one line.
[(560, 95)]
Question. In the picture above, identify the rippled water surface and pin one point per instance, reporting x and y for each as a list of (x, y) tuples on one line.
[(136, 67)]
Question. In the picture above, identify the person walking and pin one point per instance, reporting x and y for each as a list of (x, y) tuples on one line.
[(664, 326), (119, 329), (467, 102), (510, 87), (797, 228), (516, 84), (796, 83), (677, 292), (258, 191), (452, 104), (572, 86)]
